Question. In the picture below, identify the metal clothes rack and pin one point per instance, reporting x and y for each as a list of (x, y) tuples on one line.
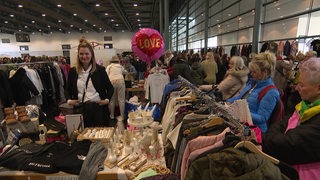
[(215, 107), (27, 63)]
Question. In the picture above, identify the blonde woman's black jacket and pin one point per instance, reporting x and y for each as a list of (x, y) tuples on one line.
[(100, 81)]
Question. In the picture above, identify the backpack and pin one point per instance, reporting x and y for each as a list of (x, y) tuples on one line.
[(278, 111)]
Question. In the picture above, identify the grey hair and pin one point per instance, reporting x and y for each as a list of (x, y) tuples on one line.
[(238, 62), (312, 68)]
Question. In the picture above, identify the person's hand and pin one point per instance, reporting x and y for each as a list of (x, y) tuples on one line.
[(205, 87), (73, 102), (103, 102)]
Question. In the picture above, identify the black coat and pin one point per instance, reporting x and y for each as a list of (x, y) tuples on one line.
[(5, 90), (22, 86), (100, 81), (299, 145)]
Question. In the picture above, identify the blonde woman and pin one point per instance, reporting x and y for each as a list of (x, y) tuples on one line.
[(89, 85), (234, 80), (210, 67), (261, 67)]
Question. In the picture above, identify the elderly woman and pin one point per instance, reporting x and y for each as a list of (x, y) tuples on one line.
[(261, 66), (234, 80), (297, 140)]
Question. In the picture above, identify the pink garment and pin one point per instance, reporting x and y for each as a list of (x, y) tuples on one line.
[(198, 143), (61, 119), (293, 121), (257, 132), (197, 152), (308, 171)]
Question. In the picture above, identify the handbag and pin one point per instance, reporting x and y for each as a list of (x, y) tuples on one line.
[(78, 109)]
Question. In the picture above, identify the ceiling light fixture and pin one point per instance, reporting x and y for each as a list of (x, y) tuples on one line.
[(43, 15), (94, 25), (19, 30), (59, 21), (117, 24), (138, 20), (75, 14), (106, 14), (49, 26), (33, 22), (85, 20), (59, 5), (112, 20), (135, 5), (20, 6), (25, 26), (97, 5), (137, 14), (11, 15)]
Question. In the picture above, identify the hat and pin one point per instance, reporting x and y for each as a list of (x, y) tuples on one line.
[(114, 59)]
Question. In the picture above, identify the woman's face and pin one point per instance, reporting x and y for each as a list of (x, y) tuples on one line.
[(208, 56), (308, 92), (231, 64), (85, 56)]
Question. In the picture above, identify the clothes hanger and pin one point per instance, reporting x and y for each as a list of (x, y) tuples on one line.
[(253, 148), (188, 98), (212, 122)]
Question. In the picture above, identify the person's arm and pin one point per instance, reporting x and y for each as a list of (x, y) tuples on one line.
[(296, 146), (71, 88), (108, 88), (266, 106)]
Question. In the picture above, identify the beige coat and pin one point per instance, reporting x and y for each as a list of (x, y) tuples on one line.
[(211, 69), (280, 75), (233, 82)]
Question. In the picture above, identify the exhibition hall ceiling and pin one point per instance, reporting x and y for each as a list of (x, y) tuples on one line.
[(67, 16)]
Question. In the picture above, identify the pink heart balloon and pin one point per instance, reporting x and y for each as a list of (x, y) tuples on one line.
[(147, 44)]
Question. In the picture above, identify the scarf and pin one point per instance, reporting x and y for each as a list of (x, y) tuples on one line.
[(305, 106)]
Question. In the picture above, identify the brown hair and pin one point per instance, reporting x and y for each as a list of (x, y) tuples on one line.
[(83, 43)]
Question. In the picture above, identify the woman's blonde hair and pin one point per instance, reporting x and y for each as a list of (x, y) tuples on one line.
[(210, 54), (83, 43), (261, 62)]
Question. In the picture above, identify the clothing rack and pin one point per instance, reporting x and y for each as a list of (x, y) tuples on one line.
[(26, 63), (216, 107), (295, 38)]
